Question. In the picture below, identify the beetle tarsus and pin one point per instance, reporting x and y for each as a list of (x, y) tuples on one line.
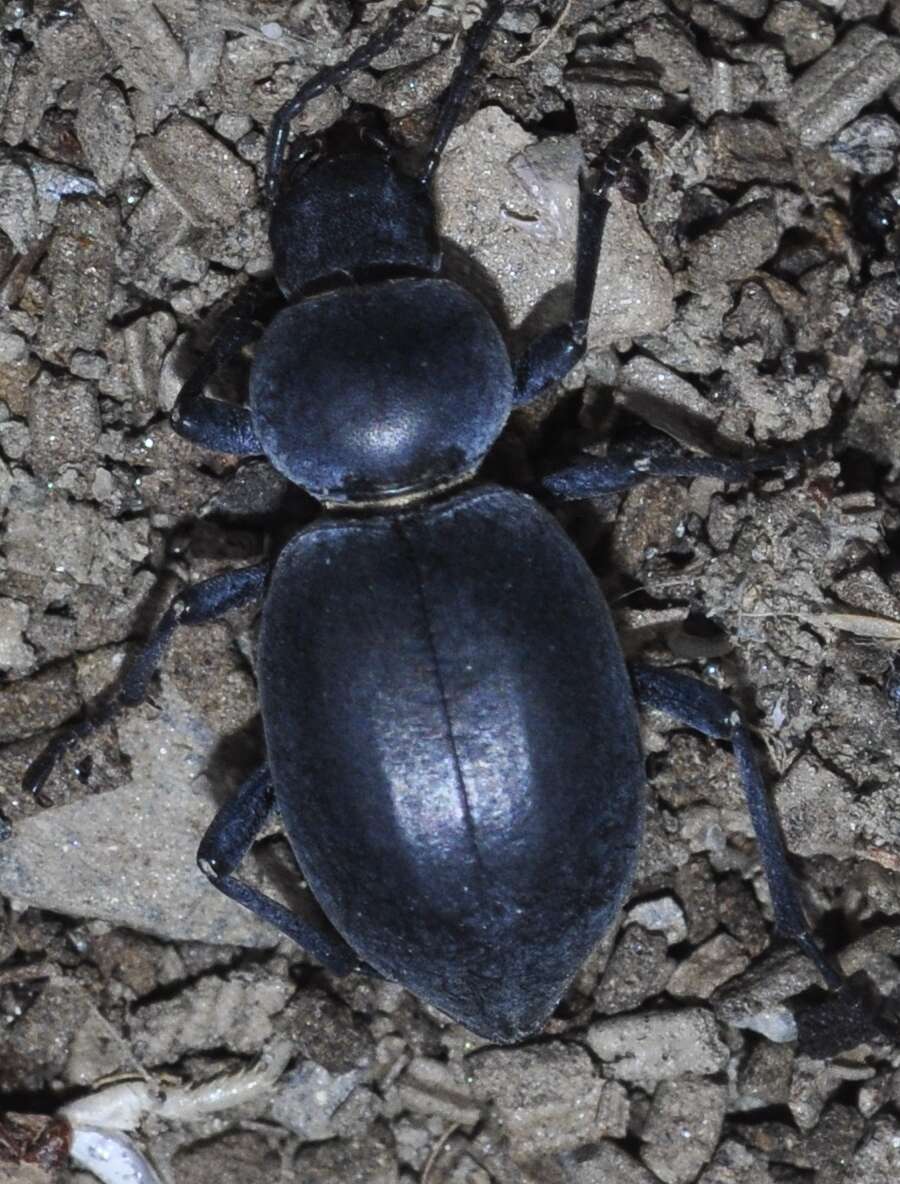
[(38, 772)]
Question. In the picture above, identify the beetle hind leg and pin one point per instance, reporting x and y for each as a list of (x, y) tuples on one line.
[(228, 839), (709, 711)]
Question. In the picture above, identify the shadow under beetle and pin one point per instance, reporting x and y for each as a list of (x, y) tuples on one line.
[(450, 728)]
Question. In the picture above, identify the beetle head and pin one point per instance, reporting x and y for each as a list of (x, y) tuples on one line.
[(345, 209)]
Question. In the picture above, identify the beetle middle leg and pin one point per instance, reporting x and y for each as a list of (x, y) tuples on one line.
[(194, 606), (622, 469), (710, 712), (226, 842)]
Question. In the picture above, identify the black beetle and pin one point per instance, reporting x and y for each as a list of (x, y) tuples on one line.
[(450, 727)]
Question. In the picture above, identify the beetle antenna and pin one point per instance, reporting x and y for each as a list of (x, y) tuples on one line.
[(460, 84), (321, 81)]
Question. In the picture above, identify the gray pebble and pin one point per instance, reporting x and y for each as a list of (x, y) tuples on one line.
[(659, 1045)]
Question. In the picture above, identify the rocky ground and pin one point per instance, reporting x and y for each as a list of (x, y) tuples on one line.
[(750, 300)]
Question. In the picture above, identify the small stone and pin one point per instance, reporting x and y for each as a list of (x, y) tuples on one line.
[(548, 1096), (813, 1084), (50, 538), (80, 265), (510, 203), (830, 1148), (651, 389), (832, 91), (734, 1163), (29, 705), (437, 1088), (321, 1030), (317, 1105), (741, 242), (142, 44), (714, 963), (757, 318), (42, 1044), (603, 1163), (876, 1093), (135, 962), (876, 1160), (682, 1129), (18, 205), (806, 32), (207, 182), (16, 655), (822, 813), (637, 970), (757, 1000), (234, 1013), (659, 1045), (622, 86), (662, 914), (233, 126), (64, 420), (236, 1155), (129, 856), (868, 145), (695, 885), (105, 131), (15, 439), (87, 365), (765, 1077)]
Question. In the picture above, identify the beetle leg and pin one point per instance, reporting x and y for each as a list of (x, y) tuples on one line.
[(591, 476), (212, 423), (552, 355), (227, 841), (195, 605), (707, 710)]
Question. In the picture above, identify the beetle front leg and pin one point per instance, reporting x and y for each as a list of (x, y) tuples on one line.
[(227, 841), (552, 355), (210, 422), (707, 710), (195, 605)]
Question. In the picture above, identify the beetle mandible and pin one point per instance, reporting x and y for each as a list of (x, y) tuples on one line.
[(451, 732)]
